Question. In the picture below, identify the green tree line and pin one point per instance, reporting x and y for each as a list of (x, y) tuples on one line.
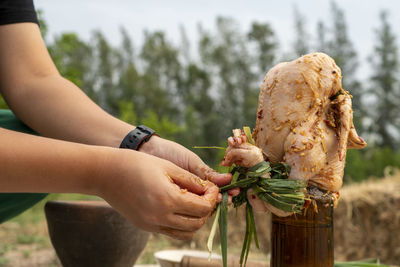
[(195, 92)]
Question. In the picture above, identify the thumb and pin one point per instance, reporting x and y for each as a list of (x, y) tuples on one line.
[(198, 167)]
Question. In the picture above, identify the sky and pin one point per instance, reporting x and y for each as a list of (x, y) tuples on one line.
[(83, 16)]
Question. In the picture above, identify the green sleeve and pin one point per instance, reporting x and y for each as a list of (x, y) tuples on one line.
[(13, 204)]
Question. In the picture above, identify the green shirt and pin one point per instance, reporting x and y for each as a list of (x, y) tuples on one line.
[(12, 204)]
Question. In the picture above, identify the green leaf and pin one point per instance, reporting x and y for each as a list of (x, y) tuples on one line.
[(241, 184), (250, 229), (280, 171), (213, 231), (247, 240), (223, 228), (259, 169), (361, 263), (253, 222), (239, 199), (249, 137), (235, 177), (267, 197)]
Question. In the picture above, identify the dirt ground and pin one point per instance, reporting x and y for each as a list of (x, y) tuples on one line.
[(367, 225)]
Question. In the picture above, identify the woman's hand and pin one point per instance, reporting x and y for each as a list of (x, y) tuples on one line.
[(187, 160), (156, 195)]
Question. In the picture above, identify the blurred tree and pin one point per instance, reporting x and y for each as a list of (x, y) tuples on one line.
[(226, 57), (263, 37), (130, 80), (322, 44), (301, 44), (151, 90), (164, 126), (105, 62), (127, 113), (73, 59), (201, 116), (161, 63), (184, 48), (341, 49), (125, 53), (359, 165), (385, 86)]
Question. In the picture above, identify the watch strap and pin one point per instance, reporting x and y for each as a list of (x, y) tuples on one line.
[(137, 137)]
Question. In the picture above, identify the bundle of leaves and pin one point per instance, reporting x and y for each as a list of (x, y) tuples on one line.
[(278, 191), (270, 184)]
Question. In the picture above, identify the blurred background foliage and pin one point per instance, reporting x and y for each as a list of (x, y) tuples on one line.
[(196, 92)]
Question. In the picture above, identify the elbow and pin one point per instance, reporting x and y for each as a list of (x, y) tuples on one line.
[(28, 87)]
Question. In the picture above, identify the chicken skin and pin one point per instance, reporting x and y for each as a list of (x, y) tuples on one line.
[(305, 119)]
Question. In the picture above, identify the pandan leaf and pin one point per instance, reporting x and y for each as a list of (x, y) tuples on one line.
[(213, 231), (223, 228), (249, 137)]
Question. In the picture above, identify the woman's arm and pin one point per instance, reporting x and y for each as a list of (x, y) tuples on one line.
[(30, 163), (56, 108), (44, 100), (145, 189)]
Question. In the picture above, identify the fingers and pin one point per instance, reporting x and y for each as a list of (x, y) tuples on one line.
[(234, 192), (219, 179), (231, 193), (197, 205), (219, 199), (188, 180), (206, 173)]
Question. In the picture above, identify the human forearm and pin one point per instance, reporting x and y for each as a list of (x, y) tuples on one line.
[(36, 164), (43, 99), (57, 108)]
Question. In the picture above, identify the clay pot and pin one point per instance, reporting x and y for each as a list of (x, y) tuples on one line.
[(92, 233)]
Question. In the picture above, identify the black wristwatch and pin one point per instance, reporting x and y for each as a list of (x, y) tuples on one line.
[(136, 138)]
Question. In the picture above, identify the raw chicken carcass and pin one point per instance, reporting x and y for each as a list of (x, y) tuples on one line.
[(305, 119), (241, 153)]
